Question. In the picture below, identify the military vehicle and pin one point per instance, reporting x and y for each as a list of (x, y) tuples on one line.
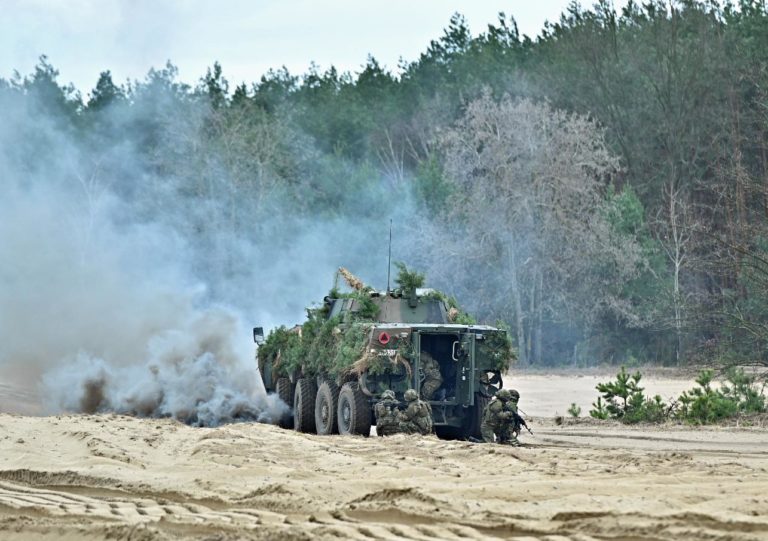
[(332, 369)]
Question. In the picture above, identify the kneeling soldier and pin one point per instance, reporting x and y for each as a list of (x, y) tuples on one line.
[(417, 417), (498, 419), (387, 414)]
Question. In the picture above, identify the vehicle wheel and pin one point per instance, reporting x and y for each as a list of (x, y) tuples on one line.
[(325, 408), (449, 432), (354, 411), (285, 392), (304, 405)]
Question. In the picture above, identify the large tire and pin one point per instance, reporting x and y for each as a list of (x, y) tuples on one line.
[(285, 391), (450, 433), (304, 405), (326, 404), (354, 412)]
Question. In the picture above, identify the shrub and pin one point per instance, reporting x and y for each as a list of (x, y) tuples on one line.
[(599, 410), (623, 399), (574, 410), (704, 405)]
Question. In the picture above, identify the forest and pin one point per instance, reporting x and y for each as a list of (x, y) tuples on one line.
[(601, 189)]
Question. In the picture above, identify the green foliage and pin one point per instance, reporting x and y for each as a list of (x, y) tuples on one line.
[(623, 394), (705, 404), (333, 345), (497, 346), (574, 410), (599, 410), (408, 281), (456, 313), (367, 309), (280, 339), (105, 94), (743, 389), (625, 212), (430, 185), (323, 345), (461, 317), (623, 399), (347, 346)]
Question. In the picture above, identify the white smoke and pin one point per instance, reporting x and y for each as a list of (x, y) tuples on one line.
[(106, 319), (119, 294), (192, 373)]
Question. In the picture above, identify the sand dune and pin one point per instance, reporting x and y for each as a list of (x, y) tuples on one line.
[(94, 477)]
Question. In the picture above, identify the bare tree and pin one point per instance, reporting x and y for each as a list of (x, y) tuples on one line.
[(675, 226), (528, 217)]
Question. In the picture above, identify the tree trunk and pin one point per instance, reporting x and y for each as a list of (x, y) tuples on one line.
[(539, 290), (518, 305)]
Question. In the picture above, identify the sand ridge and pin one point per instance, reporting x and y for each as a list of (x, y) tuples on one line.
[(110, 476)]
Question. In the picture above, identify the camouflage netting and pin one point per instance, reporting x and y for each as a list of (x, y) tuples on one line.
[(377, 364), (341, 345), (498, 347), (331, 346)]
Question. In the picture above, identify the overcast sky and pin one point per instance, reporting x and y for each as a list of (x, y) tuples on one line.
[(84, 37)]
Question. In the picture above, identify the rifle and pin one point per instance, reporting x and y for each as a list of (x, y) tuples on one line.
[(519, 421)]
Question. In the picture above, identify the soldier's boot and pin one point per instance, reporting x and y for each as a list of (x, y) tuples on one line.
[(512, 440)]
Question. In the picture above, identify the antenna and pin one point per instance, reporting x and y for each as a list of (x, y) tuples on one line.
[(389, 260)]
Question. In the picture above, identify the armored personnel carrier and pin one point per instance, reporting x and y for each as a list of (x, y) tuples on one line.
[(332, 369)]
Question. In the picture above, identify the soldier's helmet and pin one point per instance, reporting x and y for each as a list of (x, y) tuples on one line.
[(514, 395), (388, 395), (411, 395), (504, 395)]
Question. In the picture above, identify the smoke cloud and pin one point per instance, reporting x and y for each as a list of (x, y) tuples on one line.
[(118, 294)]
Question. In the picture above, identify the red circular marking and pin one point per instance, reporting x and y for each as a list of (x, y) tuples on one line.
[(384, 338)]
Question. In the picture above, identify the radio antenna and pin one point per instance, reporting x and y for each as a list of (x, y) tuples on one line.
[(389, 259)]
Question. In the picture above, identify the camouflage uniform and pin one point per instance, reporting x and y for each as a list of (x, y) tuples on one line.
[(417, 417), (499, 419), (433, 379), (387, 414), (515, 424)]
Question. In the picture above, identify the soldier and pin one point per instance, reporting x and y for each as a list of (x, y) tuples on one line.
[(417, 417), (517, 421), (387, 414), (433, 379), (498, 419)]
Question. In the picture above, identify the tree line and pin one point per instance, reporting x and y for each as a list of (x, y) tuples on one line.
[(602, 188)]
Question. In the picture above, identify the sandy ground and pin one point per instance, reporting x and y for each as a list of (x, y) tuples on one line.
[(95, 477)]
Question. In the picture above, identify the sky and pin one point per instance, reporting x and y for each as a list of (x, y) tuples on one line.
[(248, 37)]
